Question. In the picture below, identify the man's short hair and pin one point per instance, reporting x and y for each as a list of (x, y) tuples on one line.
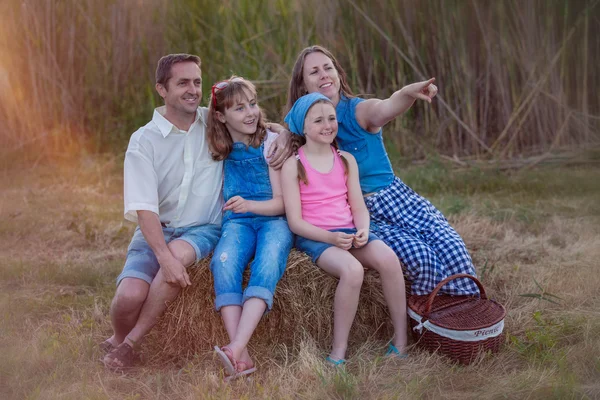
[(163, 70)]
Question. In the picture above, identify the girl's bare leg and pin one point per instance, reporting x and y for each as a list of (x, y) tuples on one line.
[(231, 316), (343, 265), (249, 317), (380, 257)]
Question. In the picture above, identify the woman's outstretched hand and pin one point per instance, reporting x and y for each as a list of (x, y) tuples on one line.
[(372, 114), (425, 90)]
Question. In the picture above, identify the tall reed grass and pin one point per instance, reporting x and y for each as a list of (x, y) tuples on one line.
[(515, 76)]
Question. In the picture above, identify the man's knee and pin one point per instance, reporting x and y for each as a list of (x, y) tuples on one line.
[(130, 295), (183, 252)]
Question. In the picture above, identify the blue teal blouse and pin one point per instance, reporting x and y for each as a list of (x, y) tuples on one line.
[(374, 166)]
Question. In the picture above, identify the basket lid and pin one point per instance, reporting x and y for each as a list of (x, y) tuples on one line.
[(458, 312)]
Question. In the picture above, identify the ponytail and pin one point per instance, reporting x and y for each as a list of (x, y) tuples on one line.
[(297, 142), (301, 171), (344, 161)]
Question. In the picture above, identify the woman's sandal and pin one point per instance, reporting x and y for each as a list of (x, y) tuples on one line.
[(226, 358), (120, 358), (393, 352), (335, 363)]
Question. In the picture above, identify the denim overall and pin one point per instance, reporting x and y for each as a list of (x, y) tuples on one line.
[(246, 235)]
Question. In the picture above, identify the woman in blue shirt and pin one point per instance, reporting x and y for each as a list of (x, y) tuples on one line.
[(429, 248)]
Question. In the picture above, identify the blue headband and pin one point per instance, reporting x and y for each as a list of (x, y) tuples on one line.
[(295, 118)]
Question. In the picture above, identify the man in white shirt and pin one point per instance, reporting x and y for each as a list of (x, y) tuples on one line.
[(172, 189)]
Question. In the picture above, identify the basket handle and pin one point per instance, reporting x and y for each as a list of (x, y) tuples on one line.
[(442, 283)]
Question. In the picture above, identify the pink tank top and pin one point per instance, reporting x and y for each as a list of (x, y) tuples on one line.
[(325, 198)]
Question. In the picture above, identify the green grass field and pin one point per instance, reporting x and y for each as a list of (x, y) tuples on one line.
[(533, 232)]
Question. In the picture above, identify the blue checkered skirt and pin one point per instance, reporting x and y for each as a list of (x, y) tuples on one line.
[(428, 247)]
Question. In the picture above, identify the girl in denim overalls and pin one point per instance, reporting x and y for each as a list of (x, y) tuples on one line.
[(254, 224), (326, 209)]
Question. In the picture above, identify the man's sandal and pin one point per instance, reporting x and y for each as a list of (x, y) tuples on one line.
[(120, 358), (106, 346)]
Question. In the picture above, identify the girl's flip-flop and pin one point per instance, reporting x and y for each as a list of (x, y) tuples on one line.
[(392, 351), (227, 360), (243, 370), (336, 363)]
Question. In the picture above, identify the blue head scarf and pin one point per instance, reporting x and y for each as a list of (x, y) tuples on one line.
[(295, 118)]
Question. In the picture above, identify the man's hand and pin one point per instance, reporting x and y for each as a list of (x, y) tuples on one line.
[(281, 148), (360, 238), (342, 240), (238, 205), (425, 90), (174, 272)]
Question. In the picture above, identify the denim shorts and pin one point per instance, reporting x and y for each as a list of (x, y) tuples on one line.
[(267, 239), (314, 249), (141, 262)]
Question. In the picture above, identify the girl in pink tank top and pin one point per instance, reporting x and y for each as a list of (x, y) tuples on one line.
[(325, 200), (325, 208)]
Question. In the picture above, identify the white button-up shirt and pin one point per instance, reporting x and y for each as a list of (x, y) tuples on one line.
[(171, 173)]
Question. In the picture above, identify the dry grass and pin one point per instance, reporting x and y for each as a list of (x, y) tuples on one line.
[(303, 307), (64, 242)]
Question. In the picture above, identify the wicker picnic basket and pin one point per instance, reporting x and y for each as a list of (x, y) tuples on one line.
[(459, 327)]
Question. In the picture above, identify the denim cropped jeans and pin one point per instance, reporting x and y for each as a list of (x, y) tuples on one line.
[(141, 262), (268, 240)]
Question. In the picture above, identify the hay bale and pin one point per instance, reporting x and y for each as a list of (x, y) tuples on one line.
[(303, 305)]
